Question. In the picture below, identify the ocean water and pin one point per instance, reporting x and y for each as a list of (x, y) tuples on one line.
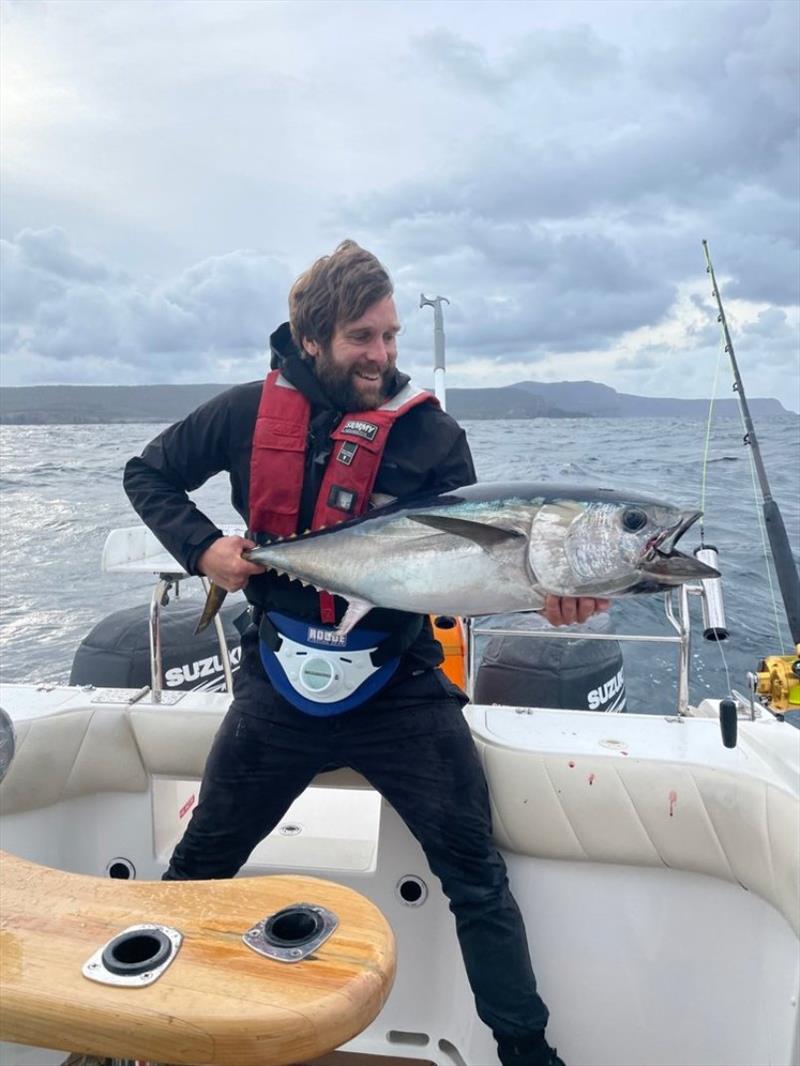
[(61, 493)]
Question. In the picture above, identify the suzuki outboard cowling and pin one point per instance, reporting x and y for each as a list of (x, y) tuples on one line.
[(575, 674), (116, 653)]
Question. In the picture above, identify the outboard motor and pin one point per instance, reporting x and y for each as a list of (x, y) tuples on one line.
[(116, 653), (580, 674)]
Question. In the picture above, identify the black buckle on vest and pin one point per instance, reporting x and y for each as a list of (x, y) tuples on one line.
[(268, 633), (347, 452), (243, 621), (342, 499)]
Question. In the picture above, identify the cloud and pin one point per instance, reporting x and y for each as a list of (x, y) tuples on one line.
[(653, 125), (573, 57), (61, 305), (568, 226), (550, 168), (518, 289)]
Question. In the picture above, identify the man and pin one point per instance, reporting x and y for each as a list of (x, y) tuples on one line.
[(334, 426)]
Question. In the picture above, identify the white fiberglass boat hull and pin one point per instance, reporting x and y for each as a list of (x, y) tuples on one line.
[(657, 871)]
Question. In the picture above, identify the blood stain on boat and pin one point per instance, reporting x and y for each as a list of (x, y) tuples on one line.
[(591, 779), (673, 799)]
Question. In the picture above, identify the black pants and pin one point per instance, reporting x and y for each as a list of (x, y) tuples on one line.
[(413, 745)]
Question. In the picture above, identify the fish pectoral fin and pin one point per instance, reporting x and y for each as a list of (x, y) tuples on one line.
[(214, 600), (356, 610), (485, 536)]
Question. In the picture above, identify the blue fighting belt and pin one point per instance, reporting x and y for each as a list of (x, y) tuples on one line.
[(318, 670)]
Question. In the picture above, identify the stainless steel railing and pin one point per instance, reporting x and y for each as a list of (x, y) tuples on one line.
[(159, 599), (680, 622)]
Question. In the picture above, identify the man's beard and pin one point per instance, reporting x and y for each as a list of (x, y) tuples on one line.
[(347, 392)]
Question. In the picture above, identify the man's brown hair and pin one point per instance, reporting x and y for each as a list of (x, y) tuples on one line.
[(337, 288)]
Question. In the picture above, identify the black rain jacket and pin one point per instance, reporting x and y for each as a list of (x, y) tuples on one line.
[(426, 451)]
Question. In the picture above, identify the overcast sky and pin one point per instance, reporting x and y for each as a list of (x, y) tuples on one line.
[(550, 167)]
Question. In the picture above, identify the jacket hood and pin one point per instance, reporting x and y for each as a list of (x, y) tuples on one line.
[(281, 347), (285, 356)]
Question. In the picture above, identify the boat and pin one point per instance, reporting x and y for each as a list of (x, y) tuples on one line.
[(655, 857), (656, 865)]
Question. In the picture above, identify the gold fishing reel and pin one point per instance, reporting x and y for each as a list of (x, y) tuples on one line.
[(778, 681)]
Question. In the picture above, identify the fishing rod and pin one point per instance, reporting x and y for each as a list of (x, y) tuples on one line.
[(785, 566)]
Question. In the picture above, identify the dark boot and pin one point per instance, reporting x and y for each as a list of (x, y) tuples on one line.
[(527, 1051)]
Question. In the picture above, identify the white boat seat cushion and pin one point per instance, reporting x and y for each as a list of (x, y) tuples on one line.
[(646, 812), (69, 754)]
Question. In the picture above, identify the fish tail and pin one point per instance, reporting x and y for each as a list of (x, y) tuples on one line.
[(214, 600)]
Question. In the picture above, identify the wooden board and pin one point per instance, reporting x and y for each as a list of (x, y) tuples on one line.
[(219, 1002)]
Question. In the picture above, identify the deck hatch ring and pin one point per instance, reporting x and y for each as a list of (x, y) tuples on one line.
[(293, 933), (135, 957), (121, 869), (412, 890), (292, 927), (133, 953)]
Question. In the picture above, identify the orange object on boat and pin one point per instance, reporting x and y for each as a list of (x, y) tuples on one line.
[(452, 635)]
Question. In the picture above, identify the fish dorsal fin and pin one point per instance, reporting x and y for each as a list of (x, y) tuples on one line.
[(485, 536)]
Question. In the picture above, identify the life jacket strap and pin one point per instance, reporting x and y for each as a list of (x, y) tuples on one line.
[(327, 608)]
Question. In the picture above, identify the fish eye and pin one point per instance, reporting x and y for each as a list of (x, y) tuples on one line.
[(633, 519)]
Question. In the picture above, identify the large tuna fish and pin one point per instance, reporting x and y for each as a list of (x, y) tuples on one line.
[(488, 549)]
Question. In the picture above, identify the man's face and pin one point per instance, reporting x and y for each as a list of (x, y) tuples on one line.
[(357, 367)]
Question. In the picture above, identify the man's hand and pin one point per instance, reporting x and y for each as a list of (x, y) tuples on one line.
[(223, 563), (563, 610)]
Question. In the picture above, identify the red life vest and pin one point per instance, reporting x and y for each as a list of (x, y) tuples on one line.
[(277, 463)]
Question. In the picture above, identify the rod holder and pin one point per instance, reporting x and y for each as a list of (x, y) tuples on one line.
[(135, 957), (292, 934), (715, 626)]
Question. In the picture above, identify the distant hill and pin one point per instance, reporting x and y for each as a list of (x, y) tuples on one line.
[(78, 404), (510, 401), (592, 398)]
